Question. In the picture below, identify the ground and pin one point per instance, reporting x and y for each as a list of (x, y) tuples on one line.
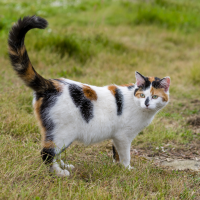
[(99, 43)]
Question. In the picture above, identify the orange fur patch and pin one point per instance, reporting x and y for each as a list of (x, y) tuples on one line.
[(151, 79), (37, 107), (22, 50), (116, 155), (112, 88), (45, 144), (48, 144), (160, 92), (126, 85), (11, 51), (29, 74), (57, 85), (89, 93)]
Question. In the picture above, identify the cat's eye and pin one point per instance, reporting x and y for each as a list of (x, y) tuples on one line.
[(142, 95), (154, 96)]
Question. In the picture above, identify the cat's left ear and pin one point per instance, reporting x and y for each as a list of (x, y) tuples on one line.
[(165, 83), (140, 79)]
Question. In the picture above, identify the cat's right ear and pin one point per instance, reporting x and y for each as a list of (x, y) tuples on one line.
[(165, 83), (140, 79)]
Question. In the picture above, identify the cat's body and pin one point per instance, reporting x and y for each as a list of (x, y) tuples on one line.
[(69, 110)]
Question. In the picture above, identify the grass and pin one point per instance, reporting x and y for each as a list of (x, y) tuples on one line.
[(195, 74), (99, 43), (80, 49)]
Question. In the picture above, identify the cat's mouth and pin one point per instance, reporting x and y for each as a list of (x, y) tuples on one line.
[(148, 108)]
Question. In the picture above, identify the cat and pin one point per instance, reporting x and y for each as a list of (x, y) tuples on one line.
[(70, 111)]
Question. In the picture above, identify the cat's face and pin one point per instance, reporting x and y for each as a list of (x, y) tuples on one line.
[(151, 93)]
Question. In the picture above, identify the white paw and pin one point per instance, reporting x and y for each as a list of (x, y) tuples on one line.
[(70, 166), (62, 173), (130, 168), (63, 165), (58, 171)]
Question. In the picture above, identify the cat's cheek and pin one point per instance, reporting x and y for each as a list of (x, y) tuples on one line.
[(161, 104), (137, 101), (142, 103)]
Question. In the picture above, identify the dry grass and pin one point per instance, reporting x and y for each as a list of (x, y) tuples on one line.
[(101, 42)]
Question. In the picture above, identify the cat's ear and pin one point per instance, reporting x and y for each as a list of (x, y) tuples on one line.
[(165, 83), (140, 80)]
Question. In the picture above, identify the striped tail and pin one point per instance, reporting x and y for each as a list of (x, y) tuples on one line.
[(19, 56)]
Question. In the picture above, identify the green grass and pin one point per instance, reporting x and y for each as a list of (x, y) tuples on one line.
[(169, 14), (80, 49), (99, 43), (195, 74)]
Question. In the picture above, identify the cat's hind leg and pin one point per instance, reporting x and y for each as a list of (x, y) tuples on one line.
[(58, 164), (64, 165), (55, 168), (50, 155)]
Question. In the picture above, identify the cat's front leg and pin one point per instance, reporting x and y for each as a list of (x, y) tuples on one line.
[(122, 147)]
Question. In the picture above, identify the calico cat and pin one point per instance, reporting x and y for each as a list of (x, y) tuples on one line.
[(68, 110)]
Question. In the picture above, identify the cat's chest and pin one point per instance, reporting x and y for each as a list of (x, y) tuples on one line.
[(139, 121)]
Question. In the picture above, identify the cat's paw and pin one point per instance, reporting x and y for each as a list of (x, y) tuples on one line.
[(63, 165), (58, 171), (62, 173), (130, 168), (70, 166)]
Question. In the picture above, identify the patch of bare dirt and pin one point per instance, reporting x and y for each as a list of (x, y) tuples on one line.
[(194, 121), (173, 156), (182, 164)]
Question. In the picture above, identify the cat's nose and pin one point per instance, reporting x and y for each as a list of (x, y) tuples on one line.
[(146, 102)]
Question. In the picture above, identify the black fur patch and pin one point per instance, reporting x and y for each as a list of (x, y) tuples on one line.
[(19, 60), (157, 79), (48, 155), (61, 81), (40, 84), (131, 87), (49, 100), (156, 83), (146, 84), (119, 101), (81, 102), (136, 91), (114, 152)]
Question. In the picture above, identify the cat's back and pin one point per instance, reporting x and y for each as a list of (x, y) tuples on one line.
[(85, 110)]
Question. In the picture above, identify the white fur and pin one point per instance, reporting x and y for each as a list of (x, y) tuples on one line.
[(105, 124)]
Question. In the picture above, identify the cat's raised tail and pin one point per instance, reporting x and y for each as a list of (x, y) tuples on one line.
[(19, 57)]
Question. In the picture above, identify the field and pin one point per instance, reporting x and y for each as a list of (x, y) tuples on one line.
[(101, 42)]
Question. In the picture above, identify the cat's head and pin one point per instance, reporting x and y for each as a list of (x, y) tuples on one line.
[(151, 93)]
